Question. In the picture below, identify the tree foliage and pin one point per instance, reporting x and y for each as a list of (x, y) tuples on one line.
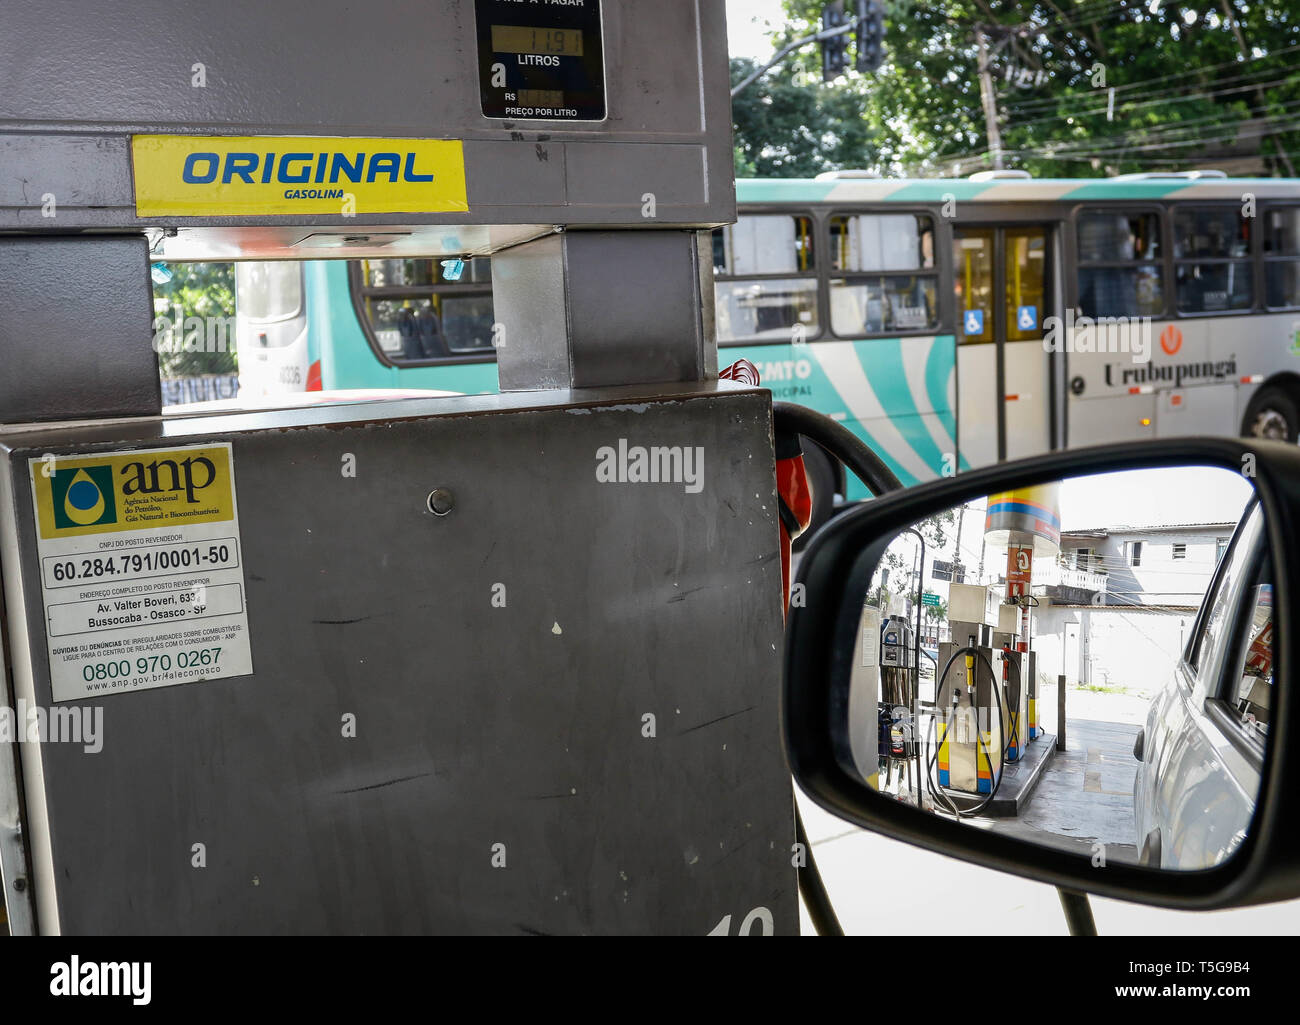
[(1194, 82), (788, 125), (901, 559), (197, 290)]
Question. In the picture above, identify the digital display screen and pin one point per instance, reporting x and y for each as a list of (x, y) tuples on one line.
[(541, 60), (548, 98), (560, 42)]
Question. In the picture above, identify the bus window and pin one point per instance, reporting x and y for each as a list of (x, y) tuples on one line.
[(1212, 260), (396, 273), (764, 244), (1025, 251), (1282, 258), (973, 284), (882, 242), (268, 290), (762, 248), (467, 322), (766, 308), (414, 312), (1120, 272), (885, 295), (404, 328), (885, 305)]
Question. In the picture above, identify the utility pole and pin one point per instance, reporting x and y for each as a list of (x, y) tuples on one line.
[(989, 99)]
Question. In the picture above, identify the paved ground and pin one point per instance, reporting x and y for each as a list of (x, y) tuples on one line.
[(1085, 796), (881, 886)]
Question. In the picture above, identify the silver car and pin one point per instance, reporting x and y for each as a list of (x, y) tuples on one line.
[(1202, 749)]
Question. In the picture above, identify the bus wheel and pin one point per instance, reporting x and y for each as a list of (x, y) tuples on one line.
[(821, 482), (1273, 415)]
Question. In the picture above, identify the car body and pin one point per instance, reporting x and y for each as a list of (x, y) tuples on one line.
[(1202, 748)]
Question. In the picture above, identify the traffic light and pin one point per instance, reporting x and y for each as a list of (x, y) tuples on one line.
[(870, 35), (835, 49)]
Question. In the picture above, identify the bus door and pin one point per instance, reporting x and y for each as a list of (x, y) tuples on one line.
[(1003, 278)]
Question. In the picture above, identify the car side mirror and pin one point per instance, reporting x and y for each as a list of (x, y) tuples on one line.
[(1075, 668)]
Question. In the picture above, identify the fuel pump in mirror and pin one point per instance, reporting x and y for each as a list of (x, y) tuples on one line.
[(1102, 671)]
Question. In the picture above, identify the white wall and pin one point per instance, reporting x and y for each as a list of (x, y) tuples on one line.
[(1160, 579), (1136, 650)]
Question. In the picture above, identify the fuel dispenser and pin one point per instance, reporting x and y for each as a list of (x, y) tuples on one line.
[(969, 713), (1026, 524), (897, 729), (411, 666), (1010, 664)]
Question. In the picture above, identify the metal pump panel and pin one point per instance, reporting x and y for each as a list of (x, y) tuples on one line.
[(468, 665), (294, 130)]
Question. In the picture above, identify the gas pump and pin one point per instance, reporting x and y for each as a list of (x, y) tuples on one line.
[(1027, 524), (1009, 663), (898, 684), (387, 667), (969, 711)]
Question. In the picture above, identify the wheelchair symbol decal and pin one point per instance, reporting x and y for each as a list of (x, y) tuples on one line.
[(974, 322)]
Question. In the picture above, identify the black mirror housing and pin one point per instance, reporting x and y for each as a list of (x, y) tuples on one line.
[(820, 635)]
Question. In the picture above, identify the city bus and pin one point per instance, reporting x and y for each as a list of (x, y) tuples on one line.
[(949, 323), (271, 329)]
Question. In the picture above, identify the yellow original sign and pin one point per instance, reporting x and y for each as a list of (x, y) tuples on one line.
[(132, 490), (228, 176)]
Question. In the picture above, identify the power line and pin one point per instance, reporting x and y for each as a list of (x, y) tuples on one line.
[(1128, 108), (1067, 151), (1045, 101), (1171, 126), (1185, 124), (1266, 126), (1253, 80), (1176, 94)]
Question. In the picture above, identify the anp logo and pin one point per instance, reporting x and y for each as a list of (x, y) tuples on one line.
[(83, 497)]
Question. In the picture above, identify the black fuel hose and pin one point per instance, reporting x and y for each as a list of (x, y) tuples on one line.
[(839, 441), (869, 468), (935, 791), (849, 449)]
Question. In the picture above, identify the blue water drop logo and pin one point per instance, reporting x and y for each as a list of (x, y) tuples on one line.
[(84, 502)]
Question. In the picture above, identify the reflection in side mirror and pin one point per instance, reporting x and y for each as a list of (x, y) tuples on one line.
[(1086, 665)]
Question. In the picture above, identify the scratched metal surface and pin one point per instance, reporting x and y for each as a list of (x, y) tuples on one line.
[(476, 725), (75, 86)]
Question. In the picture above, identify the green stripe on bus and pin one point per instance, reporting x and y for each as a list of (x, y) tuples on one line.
[(777, 190), (1126, 190), (940, 375), (823, 388), (939, 190), (883, 361)]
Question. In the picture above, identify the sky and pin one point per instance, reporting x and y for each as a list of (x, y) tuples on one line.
[(748, 22), (1149, 497), (1139, 498)]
